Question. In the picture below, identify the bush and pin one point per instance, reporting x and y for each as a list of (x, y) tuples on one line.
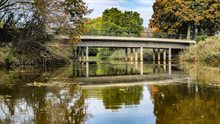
[(206, 51)]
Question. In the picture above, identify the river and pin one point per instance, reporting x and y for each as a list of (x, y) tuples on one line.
[(111, 93)]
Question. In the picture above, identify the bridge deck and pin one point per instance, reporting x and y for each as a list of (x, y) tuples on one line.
[(133, 42), (138, 39)]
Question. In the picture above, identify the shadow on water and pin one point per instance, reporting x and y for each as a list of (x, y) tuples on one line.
[(113, 92)]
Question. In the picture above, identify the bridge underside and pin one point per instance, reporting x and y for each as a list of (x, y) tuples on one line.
[(161, 48)]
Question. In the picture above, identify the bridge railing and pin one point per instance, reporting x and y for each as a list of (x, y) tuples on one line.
[(134, 34)]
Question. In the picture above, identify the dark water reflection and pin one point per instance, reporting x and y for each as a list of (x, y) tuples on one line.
[(126, 93)]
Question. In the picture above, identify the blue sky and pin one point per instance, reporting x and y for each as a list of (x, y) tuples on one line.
[(144, 7)]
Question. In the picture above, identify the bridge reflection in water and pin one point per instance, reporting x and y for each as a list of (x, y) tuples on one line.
[(100, 72)]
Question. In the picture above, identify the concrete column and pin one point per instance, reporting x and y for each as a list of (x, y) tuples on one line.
[(126, 54), (170, 54), (136, 66), (164, 55), (158, 55), (87, 69), (141, 68), (164, 67), (154, 55), (141, 54), (131, 54), (136, 54), (87, 53), (170, 67)]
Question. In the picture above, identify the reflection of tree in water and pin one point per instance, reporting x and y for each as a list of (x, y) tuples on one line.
[(44, 105), (183, 105), (115, 97)]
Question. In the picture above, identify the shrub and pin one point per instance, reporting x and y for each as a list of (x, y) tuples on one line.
[(206, 51)]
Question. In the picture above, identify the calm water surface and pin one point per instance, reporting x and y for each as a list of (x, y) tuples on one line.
[(110, 93)]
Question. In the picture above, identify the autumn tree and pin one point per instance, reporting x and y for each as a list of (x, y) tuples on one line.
[(58, 14), (180, 16)]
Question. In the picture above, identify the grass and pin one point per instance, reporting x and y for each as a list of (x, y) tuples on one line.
[(207, 51)]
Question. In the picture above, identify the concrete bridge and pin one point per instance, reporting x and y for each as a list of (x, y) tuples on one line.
[(162, 49)]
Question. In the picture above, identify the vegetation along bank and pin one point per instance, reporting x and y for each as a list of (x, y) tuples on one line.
[(207, 51)]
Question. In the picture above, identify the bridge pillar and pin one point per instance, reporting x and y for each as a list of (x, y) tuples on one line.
[(141, 54), (170, 54), (87, 69), (126, 54), (164, 55), (132, 54), (136, 54), (141, 68), (158, 56), (154, 55), (87, 53)]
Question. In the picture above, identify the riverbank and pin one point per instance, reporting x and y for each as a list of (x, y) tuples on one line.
[(207, 51), (34, 53)]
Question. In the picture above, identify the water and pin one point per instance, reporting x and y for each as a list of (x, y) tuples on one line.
[(111, 93)]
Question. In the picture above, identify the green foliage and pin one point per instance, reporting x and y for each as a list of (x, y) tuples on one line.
[(10, 59), (94, 24), (103, 53), (93, 51), (201, 38), (173, 16), (118, 54), (116, 21)]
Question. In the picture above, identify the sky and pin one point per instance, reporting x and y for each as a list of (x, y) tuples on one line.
[(144, 7)]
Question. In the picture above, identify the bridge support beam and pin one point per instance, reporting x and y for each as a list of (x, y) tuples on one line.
[(170, 54), (87, 53), (141, 54), (87, 69), (154, 55), (132, 55), (136, 54), (158, 56), (164, 55)]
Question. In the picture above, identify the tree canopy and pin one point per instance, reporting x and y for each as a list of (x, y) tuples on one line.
[(41, 15), (116, 20), (175, 16)]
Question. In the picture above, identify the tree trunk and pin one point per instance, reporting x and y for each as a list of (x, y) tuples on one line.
[(188, 31)]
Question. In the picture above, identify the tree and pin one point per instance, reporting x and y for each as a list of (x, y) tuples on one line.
[(131, 21), (116, 21), (94, 24), (61, 14), (179, 16)]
